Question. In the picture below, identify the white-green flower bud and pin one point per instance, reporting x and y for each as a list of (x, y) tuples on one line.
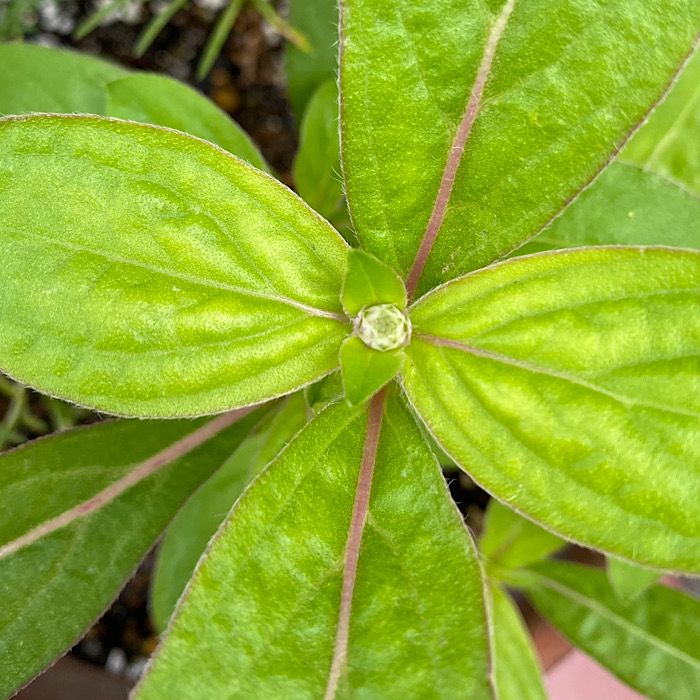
[(383, 327)]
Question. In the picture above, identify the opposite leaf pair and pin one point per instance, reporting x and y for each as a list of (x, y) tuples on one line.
[(566, 383)]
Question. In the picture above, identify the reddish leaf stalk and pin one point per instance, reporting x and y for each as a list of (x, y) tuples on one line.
[(352, 548), (141, 472), (454, 158)]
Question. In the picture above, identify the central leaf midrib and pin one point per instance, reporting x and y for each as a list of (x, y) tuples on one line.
[(458, 148), (183, 277), (441, 342)]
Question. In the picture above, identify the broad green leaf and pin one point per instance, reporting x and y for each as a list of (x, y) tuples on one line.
[(38, 79), (629, 206), (317, 20), (53, 588), (653, 643), (155, 99), (187, 536), (477, 122), (366, 371), (268, 592), (510, 541), (149, 273), (670, 141), (515, 670), (627, 580), (369, 281), (317, 164), (568, 385)]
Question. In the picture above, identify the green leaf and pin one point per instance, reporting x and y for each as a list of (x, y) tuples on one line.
[(653, 643), (63, 81), (568, 384), (510, 541), (668, 144), (627, 580), (366, 371), (61, 580), (628, 206), (369, 281), (149, 273), (515, 670), (269, 591), (155, 99), (38, 79), (317, 165), (199, 519), (306, 71), (468, 125)]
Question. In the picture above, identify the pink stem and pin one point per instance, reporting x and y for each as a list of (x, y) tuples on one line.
[(352, 548)]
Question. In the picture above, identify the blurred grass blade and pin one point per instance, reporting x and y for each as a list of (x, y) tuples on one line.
[(156, 25), (281, 26), (218, 37), (98, 17)]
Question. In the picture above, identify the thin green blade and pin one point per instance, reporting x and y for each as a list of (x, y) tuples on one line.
[(510, 541), (198, 520), (269, 591), (53, 588), (568, 384), (469, 125), (627, 206), (652, 643), (516, 672), (317, 164), (149, 273), (629, 581), (668, 143)]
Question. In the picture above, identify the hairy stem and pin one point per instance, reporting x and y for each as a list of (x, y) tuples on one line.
[(352, 548), (139, 473), (459, 143)]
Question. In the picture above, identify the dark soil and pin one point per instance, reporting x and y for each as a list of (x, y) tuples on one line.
[(246, 81)]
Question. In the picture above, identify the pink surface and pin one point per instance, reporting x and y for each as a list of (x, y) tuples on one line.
[(577, 677)]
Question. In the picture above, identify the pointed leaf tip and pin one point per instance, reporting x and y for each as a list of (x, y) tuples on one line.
[(369, 281), (366, 371)]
